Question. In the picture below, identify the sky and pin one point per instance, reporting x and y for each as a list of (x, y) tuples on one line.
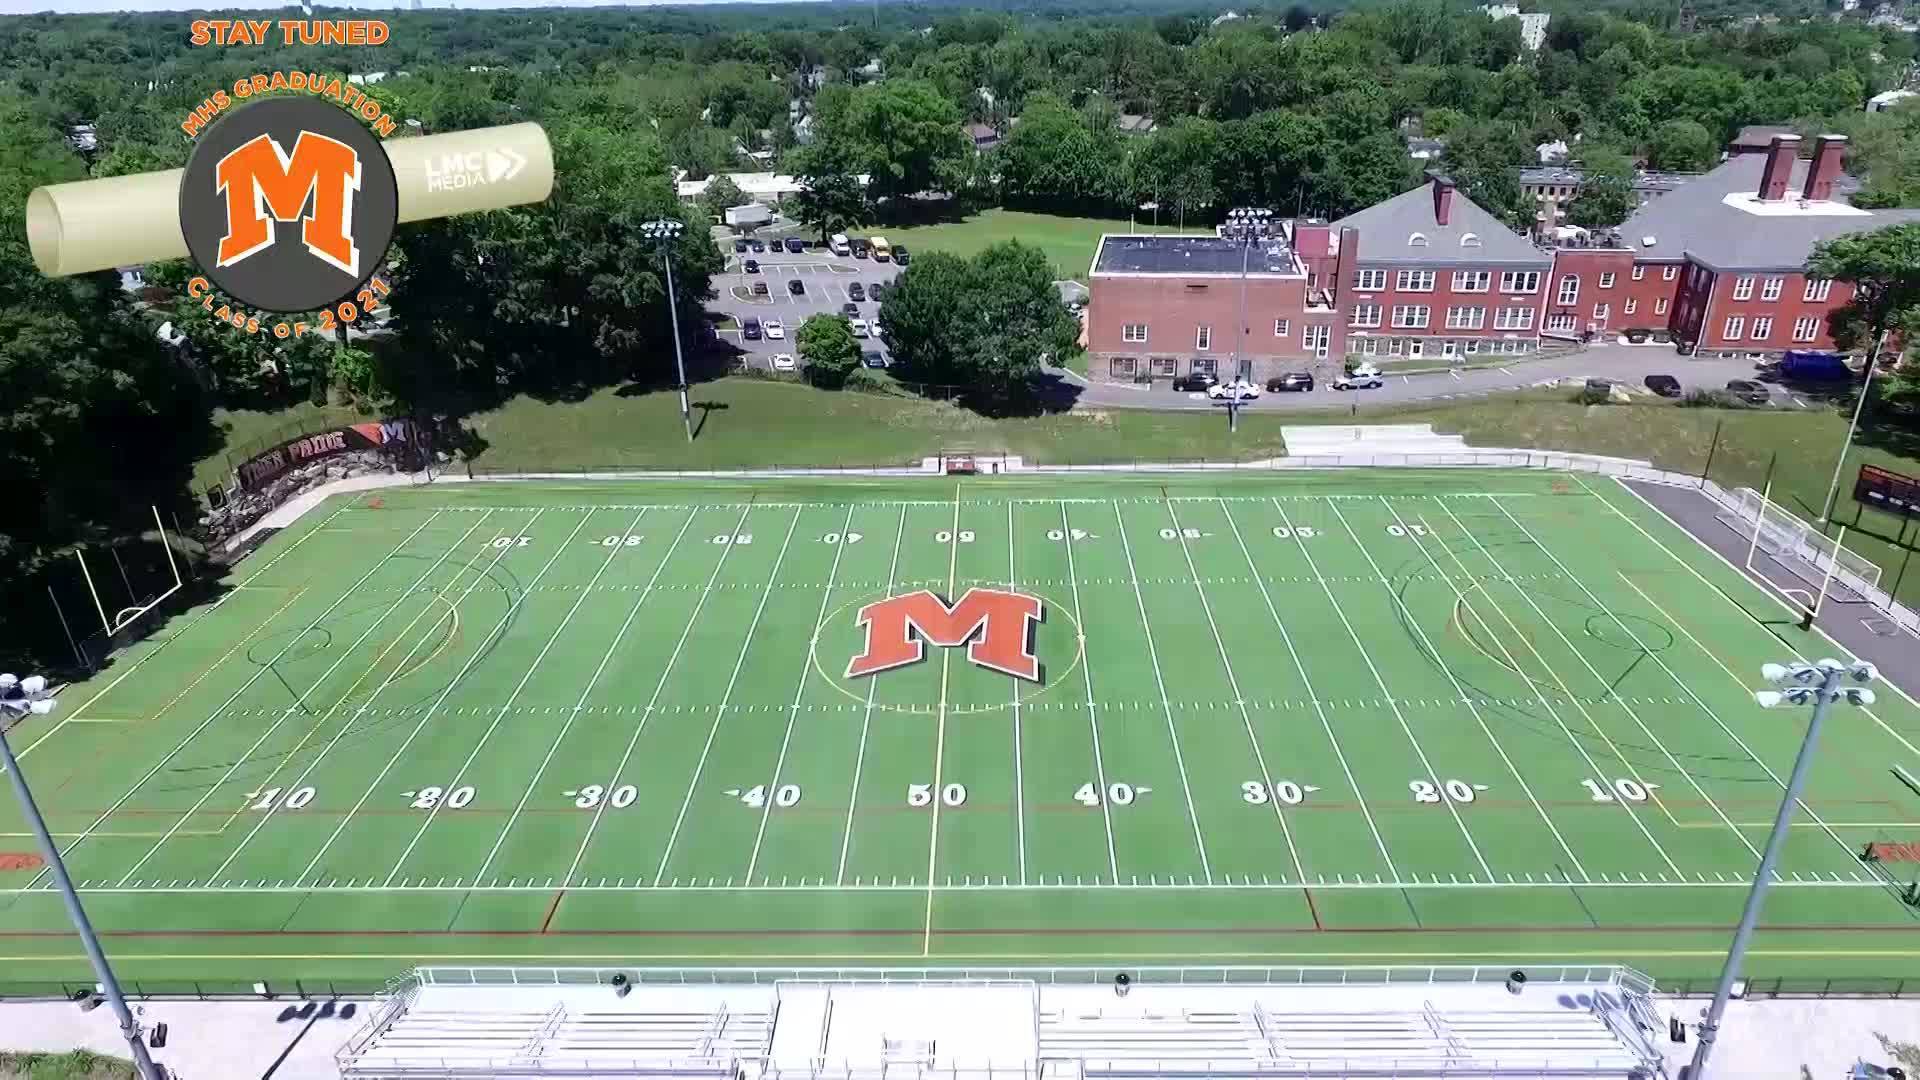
[(25, 7)]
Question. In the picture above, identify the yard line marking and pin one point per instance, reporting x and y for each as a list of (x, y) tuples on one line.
[(255, 677), (1019, 771), (1306, 681), (1361, 648), (428, 715), (940, 736), (793, 709), (433, 812), (720, 713), (1658, 659), (1233, 683), (343, 699), (1093, 714), (1539, 694), (652, 703), (1528, 597), (585, 691), (1166, 706)]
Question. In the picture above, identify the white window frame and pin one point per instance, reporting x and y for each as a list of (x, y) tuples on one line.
[(1806, 328), (1366, 315), (1743, 287), (1472, 281), (1632, 305), (1569, 290), (1513, 318), (1563, 322), (1602, 312), (1132, 366), (1204, 365), (1660, 306), (1770, 288), (1413, 281), (1133, 333), (1736, 326), (1817, 290), (1369, 346), (1762, 328), (1466, 318), (1639, 271), (1369, 280), (1606, 279), (1314, 336), (1396, 346), (1412, 316), (1520, 281), (1202, 339), (1669, 272)]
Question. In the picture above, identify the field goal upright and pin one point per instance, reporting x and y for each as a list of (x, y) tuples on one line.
[(1776, 537)]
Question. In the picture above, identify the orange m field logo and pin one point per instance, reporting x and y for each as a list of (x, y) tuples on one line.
[(995, 625), (288, 204)]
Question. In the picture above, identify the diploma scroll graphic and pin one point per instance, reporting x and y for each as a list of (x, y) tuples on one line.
[(93, 225)]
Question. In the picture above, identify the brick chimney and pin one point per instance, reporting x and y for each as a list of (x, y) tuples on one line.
[(1827, 153), (1779, 171), (1442, 199)]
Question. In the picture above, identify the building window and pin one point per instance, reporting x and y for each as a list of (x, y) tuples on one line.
[(1417, 240), (1472, 280), (1606, 281), (1366, 315), (1123, 367), (1632, 305), (1395, 346), (1601, 312), (1203, 338), (1569, 289), (1519, 281), (1660, 306), (1369, 346), (1315, 336), (1736, 325), (1513, 318), (1369, 280), (1473, 345), (1817, 290), (1466, 318), (1770, 289), (1805, 327), (1668, 273), (1470, 240), (1743, 287), (1639, 272), (1165, 367), (1134, 332), (1762, 328), (1414, 281), (1563, 323), (1279, 328), (1203, 365), (1411, 316)]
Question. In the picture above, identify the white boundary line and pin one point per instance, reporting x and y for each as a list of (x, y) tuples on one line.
[(1239, 699), (1153, 655), (1019, 750), (1361, 647), (940, 730), (799, 691), (255, 677), (427, 716), (720, 712), (866, 719), (1305, 680), (1093, 710)]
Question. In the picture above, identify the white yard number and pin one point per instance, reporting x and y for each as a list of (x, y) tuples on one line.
[(1069, 534), (1288, 792), (1627, 788), (842, 538), (1456, 790), (1177, 534), (630, 540), (1403, 530), (783, 796), (429, 797), (589, 797), (922, 795), (945, 537), (1304, 532), (296, 799), (512, 541), (734, 538), (1117, 793)]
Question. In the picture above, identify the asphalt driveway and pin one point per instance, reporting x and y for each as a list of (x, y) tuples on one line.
[(824, 279)]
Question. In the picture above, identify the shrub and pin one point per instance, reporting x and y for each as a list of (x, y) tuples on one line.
[(1699, 398)]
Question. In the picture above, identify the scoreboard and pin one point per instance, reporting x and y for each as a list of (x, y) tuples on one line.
[(1893, 492)]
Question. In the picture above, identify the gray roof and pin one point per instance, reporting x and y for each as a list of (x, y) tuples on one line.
[(1385, 229), (1189, 255), (1695, 220), (1643, 180)]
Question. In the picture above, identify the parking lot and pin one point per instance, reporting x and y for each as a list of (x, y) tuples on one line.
[(825, 279)]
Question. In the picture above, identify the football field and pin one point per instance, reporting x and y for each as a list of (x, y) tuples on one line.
[(1358, 717)]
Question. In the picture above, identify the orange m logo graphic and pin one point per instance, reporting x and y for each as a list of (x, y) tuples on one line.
[(994, 624), (261, 181)]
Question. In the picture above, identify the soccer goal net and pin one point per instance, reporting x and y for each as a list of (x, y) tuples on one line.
[(1799, 547)]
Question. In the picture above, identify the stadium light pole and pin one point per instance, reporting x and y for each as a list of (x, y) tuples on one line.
[(1247, 225), (1840, 463), (20, 698), (1801, 684), (665, 232)]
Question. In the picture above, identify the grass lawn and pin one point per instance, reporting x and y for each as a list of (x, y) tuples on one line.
[(1069, 241), (77, 1065)]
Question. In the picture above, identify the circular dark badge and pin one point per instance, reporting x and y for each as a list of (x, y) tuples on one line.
[(288, 204)]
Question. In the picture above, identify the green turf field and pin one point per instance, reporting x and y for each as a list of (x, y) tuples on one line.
[(1316, 718)]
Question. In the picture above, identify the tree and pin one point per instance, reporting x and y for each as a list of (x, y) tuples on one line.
[(986, 324), (831, 198), (1883, 266), (1681, 146), (1053, 160), (828, 348), (722, 194), (1604, 201), (905, 134)]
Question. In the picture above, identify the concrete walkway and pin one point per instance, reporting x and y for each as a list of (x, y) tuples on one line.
[(206, 1040)]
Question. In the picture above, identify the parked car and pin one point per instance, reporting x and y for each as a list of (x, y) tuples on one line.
[(1364, 377), (759, 288), (1292, 380), (860, 328), (775, 330), (850, 310), (1814, 365), (838, 244), (873, 359), (900, 255), (1664, 385), (856, 291), (861, 246), (783, 361), (1751, 392), (739, 245), (751, 266), (757, 246), (750, 329), (796, 287), (1193, 382), (1237, 390), (874, 290), (796, 245), (882, 251)]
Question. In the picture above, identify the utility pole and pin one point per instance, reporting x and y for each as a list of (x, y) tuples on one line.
[(665, 232)]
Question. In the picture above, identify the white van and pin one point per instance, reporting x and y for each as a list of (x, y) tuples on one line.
[(838, 244), (882, 251)]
